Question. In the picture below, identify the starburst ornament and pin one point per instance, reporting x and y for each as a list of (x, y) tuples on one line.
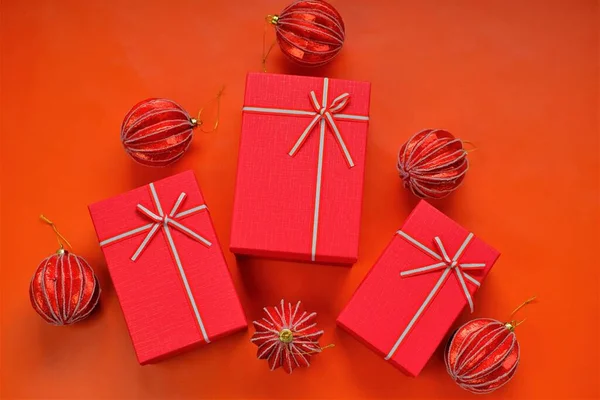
[(287, 337)]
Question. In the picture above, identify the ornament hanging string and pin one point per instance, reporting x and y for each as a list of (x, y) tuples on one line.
[(514, 323), (59, 236), (471, 144), (269, 20), (319, 350), (287, 336), (198, 122)]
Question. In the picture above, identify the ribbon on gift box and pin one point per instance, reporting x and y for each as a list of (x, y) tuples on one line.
[(161, 220), (444, 262), (326, 114)]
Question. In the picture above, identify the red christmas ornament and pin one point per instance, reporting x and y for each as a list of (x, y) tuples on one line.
[(432, 163), (64, 288), (157, 132), (309, 32), (287, 337), (483, 354)]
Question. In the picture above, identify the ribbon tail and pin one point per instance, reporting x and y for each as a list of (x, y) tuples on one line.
[(145, 242), (302, 137), (190, 233), (414, 319), (186, 284), (465, 289), (422, 270), (126, 234), (339, 139), (471, 279)]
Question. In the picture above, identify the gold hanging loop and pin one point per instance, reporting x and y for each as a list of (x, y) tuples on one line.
[(514, 323), (317, 351), (269, 20), (198, 122), (473, 147), (59, 236)]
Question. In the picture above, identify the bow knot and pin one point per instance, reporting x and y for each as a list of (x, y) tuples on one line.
[(165, 221), (446, 263), (326, 115), (337, 105)]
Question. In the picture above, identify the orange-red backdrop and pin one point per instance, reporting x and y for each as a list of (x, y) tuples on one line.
[(517, 78)]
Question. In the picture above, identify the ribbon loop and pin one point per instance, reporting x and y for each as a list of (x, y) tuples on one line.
[(339, 103)]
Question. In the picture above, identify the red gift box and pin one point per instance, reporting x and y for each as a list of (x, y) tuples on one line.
[(415, 291), (301, 168), (167, 267)]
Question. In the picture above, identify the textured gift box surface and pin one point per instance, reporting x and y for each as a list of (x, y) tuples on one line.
[(384, 311), (304, 206), (161, 316)]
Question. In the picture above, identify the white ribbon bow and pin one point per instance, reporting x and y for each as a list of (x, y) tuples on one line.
[(167, 221), (326, 115), (323, 114), (448, 265)]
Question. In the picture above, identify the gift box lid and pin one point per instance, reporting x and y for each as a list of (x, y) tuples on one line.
[(174, 286), (301, 168), (406, 317)]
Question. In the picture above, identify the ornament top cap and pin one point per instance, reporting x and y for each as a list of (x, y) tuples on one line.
[(286, 336), (272, 19)]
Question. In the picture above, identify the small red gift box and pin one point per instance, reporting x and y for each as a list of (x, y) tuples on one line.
[(301, 168), (415, 291), (167, 267)]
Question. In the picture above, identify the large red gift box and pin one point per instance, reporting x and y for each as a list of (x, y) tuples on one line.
[(415, 291), (301, 168), (167, 267)]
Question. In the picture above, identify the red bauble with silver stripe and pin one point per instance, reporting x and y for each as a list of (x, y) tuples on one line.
[(482, 355), (64, 289), (309, 32), (157, 132), (432, 163)]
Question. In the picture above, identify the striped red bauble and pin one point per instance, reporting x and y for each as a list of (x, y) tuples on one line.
[(157, 132), (64, 289), (309, 32), (432, 163), (482, 355)]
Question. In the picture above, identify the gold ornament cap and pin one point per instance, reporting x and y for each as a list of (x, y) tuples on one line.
[(286, 335)]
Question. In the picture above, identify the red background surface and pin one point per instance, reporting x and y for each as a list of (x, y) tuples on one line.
[(517, 78)]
